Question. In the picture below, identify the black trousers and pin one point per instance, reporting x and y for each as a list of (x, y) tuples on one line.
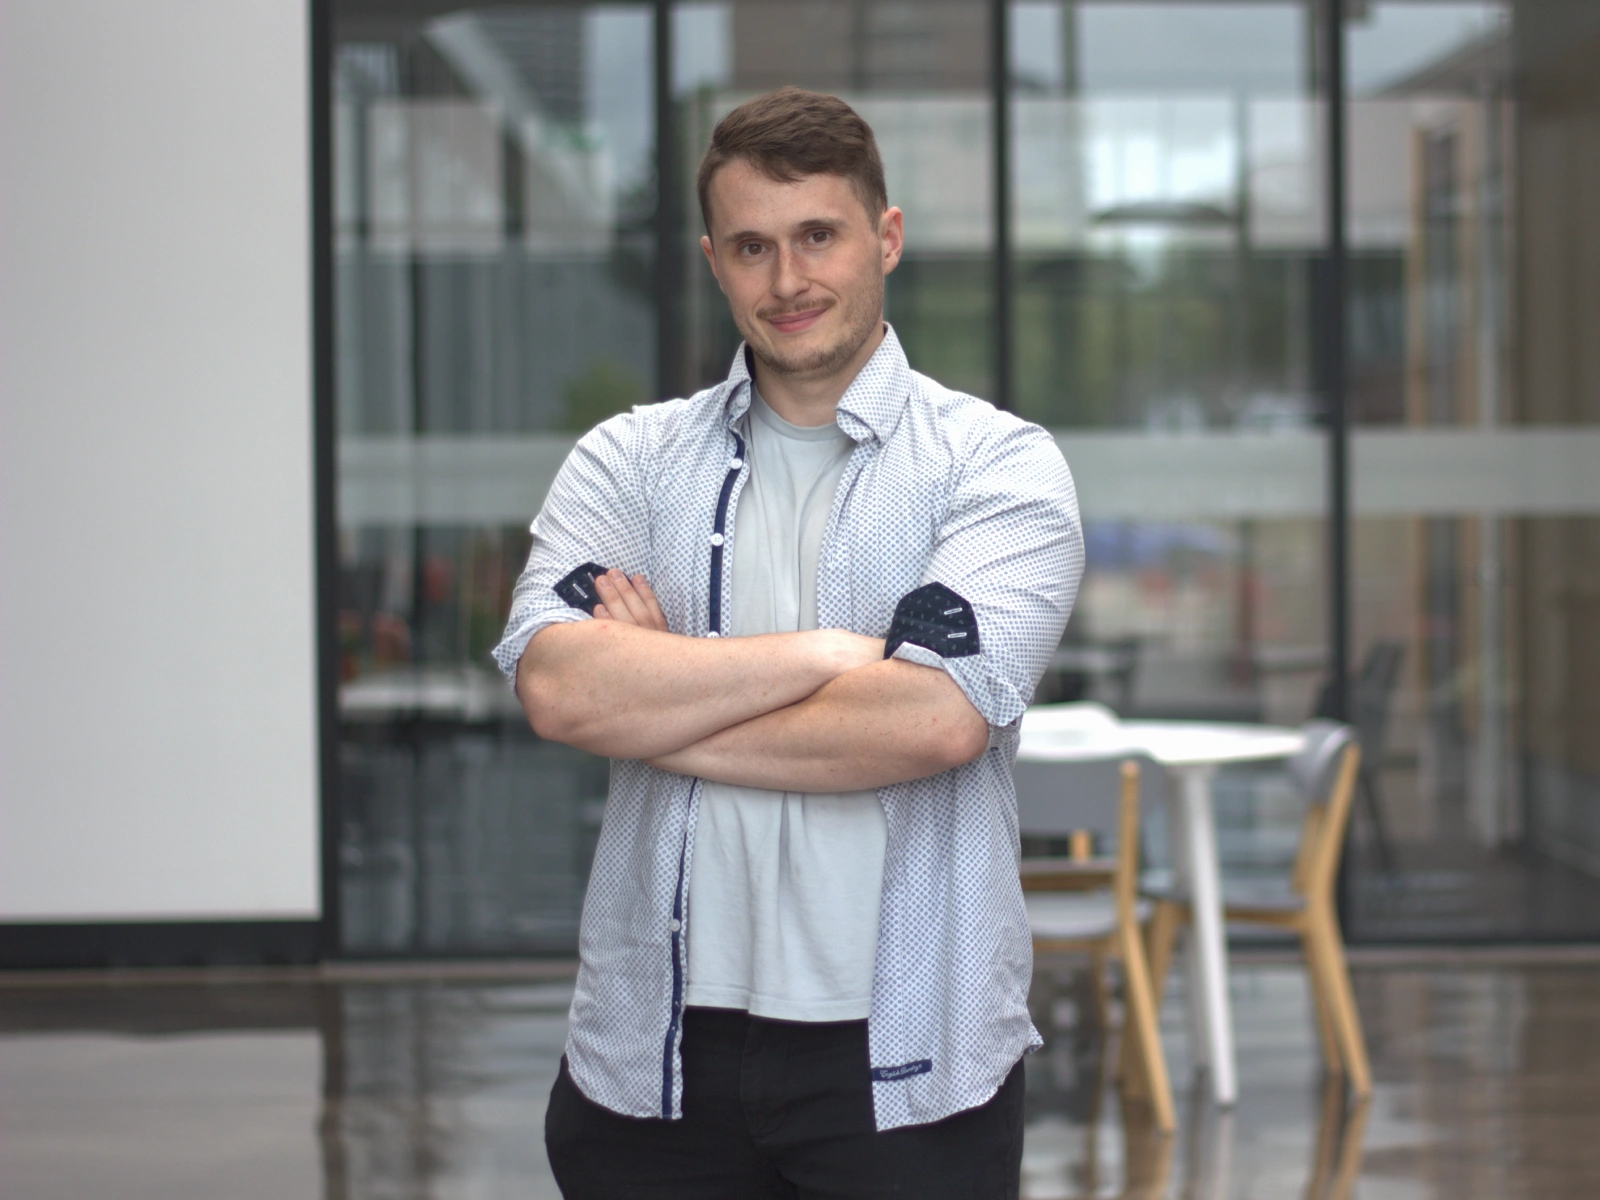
[(780, 1109)]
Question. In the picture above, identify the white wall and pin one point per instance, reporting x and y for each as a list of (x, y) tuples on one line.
[(157, 720)]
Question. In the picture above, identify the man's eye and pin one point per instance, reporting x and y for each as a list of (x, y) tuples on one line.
[(818, 237), (750, 249)]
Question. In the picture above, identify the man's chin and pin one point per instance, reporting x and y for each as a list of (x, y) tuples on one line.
[(799, 361)]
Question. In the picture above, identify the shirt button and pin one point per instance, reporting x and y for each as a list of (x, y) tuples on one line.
[(735, 463), (674, 925), (712, 633), (716, 539)]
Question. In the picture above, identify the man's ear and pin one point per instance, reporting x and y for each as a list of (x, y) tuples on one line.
[(892, 233), (705, 247)]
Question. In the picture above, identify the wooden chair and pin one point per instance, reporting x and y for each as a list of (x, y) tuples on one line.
[(1302, 903), (1081, 902)]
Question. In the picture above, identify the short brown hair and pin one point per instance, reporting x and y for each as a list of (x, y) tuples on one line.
[(790, 134)]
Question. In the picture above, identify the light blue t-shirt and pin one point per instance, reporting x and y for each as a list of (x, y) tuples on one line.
[(785, 886)]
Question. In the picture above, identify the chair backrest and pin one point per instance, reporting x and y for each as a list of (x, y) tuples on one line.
[(1374, 688), (1100, 797), (1058, 799), (1315, 767), (1326, 771), (1370, 694)]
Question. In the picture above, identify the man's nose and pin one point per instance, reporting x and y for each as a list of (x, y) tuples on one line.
[(788, 279)]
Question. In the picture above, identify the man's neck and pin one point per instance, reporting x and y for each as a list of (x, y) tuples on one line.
[(812, 399)]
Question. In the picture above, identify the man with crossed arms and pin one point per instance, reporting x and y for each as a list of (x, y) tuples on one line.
[(802, 611)]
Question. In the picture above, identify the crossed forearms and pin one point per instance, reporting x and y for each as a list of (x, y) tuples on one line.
[(616, 689), (876, 725), (818, 711)]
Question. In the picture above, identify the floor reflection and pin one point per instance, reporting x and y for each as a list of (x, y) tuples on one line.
[(1085, 1140), (1488, 1082)]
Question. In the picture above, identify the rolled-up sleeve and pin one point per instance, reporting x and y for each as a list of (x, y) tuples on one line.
[(1011, 546), (597, 511)]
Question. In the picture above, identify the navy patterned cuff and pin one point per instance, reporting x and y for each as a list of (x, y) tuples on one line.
[(577, 587), (935, 618)]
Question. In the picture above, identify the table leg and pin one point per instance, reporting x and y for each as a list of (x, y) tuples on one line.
[(1208, 951)]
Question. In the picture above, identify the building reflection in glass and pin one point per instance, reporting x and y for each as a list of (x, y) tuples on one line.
[(499, 289)]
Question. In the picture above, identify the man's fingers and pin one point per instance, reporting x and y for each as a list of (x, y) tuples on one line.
[(611, 600), (627, 599), (600, 613), (658, 619)]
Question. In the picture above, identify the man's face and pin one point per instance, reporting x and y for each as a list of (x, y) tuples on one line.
[(802, 265)]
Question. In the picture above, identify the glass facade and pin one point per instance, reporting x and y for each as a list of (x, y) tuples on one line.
[(1473, 151), (494, 251), (1118, 225), (919, 74)]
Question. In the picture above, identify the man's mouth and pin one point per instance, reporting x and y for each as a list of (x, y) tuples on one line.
[(796, 322)]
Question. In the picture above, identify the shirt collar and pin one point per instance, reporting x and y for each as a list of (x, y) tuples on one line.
[(870, 407)]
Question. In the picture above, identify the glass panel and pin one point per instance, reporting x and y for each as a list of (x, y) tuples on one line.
[(1165, 185), (1168, 223), (494, 179), (1476, 383), (918, 73)]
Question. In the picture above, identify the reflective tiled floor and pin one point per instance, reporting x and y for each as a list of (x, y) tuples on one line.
[(411, 1087)]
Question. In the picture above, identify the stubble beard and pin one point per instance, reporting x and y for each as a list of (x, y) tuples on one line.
[(862, 312)]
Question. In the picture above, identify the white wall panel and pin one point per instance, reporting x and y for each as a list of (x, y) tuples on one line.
[(157, 662)]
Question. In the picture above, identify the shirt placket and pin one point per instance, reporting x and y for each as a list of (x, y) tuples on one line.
[(720, 570), (835, 584)]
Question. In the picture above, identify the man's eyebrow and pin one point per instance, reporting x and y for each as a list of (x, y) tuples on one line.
[(753, 235)]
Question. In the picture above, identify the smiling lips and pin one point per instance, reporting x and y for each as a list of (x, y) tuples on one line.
[(796, 322)]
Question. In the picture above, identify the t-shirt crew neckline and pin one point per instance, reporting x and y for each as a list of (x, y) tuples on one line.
[(761, 411)]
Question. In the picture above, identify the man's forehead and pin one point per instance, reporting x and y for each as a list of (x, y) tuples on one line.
[(743, 195)]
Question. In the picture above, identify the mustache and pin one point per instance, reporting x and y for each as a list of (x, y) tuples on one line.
[(767, 314)]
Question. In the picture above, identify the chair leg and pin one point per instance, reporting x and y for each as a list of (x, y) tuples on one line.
[(1132, 1075), (1142, 1022), (1102, 989), (1320, 1006), (1158, 936), (1159, 940), (1329, 948)]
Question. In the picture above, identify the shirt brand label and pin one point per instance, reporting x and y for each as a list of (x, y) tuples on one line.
[(904, 1071)]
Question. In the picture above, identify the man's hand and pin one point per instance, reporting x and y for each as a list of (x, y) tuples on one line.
[(628, 600)]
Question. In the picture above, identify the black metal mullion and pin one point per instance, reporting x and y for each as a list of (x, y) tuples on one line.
[(325, 492), (1336, 380), (1336, 400), (668, 218), (999, 85)]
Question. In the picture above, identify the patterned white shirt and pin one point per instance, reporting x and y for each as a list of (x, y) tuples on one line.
[(955, 534)]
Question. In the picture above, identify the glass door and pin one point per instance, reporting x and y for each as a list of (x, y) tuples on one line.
[(1476, 447), (1168, 242), (494, 253)]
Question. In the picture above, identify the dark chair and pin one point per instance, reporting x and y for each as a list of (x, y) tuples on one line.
[(1370, 694)]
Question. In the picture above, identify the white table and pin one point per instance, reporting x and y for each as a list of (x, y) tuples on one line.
[(1190, 751)]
